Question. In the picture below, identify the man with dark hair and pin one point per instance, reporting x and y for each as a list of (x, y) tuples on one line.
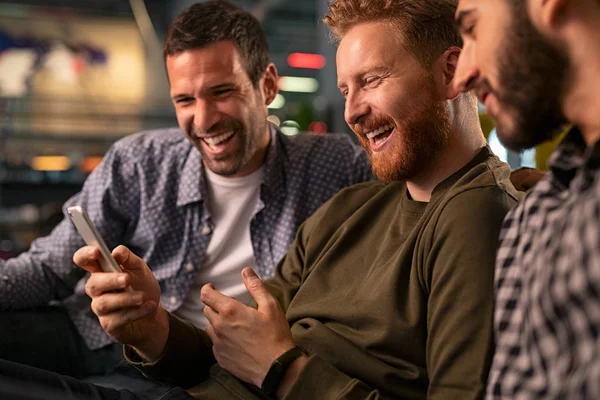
[(535, 65), (387, 290), (225, 191)]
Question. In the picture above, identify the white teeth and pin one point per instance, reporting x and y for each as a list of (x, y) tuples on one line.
[(215, 140), (379, 131)]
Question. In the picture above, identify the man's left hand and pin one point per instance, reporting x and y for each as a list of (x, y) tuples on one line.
[(246, 341)]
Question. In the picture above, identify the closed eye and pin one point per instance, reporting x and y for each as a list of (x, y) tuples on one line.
[(468, 31), (183, 100), (373, 80), (222, 92)]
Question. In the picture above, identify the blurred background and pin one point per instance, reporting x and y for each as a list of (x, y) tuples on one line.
[(75, 75)]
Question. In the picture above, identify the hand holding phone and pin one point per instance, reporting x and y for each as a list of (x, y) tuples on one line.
[(90, 235)]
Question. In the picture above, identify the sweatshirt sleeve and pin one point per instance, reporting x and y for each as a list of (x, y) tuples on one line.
[(319, 379), (186, 359), (459, 275)]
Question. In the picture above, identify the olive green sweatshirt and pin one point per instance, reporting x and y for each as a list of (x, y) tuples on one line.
[(391, 297)]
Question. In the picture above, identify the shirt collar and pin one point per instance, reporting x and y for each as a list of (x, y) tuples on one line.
[(192, 186), (571, 155)]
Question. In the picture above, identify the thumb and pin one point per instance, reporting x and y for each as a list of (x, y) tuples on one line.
[(128, 260), (256, 288)]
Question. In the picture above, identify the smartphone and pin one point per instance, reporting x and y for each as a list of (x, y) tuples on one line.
[(90, 235)]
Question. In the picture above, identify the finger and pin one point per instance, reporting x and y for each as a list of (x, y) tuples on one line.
[(210, 331), (104, 282), (211, 315), (110, 303), (87, 258), (257, 290), (218, 301), (126, 316), (128, 260)]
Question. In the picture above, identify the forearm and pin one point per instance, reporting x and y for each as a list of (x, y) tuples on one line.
[(153, 347), (27, 283)]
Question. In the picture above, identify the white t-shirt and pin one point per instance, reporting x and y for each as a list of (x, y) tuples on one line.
[(231, 202)]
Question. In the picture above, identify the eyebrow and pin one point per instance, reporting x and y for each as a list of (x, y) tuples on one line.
[(220, 86), (382, 69), (460, 18)]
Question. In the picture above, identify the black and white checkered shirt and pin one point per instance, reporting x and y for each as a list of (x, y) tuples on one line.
[(547, 319)]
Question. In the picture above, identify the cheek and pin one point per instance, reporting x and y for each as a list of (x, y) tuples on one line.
[(184, 117), (233, 109)]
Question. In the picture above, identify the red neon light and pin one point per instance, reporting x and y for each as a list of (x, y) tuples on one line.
[(305, 60), (318, 128)]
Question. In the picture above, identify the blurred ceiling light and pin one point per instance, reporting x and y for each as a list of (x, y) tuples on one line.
[(290, 128), (298, 84), (51, 163), (274, 119), (88, 164), (277, 103), (319, 128), (305, 60)]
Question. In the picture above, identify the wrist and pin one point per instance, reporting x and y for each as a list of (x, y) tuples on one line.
[(280, 369), (155, 338), (290, 376)]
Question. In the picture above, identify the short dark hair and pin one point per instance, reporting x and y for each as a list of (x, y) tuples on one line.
[(427, 25), (213, 21)]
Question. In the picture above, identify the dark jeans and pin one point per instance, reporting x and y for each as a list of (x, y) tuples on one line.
[(22, 382), (46, 338)]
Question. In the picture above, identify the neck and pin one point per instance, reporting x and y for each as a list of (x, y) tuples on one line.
[(465, 140), (582, 102), (259, 158)]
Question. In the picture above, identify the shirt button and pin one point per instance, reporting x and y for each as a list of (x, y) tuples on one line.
[(189, 267), (173, 299), (206, 230)]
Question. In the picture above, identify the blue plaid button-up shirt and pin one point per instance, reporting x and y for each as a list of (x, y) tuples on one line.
[(148, 194)]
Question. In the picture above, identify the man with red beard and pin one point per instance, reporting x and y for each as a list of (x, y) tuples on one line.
[(536, 65), (387, 291)]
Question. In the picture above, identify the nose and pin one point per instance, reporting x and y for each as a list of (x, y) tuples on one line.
[(467, 72), (206, 115), (356, 107)]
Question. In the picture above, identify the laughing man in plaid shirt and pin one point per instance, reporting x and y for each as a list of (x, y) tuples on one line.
[(542, 73)]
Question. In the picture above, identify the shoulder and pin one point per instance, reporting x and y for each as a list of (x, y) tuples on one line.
[(334, 146), (329, 140), (332, 160), (480, 199), (488, 181), (152, 145), (530, 203)]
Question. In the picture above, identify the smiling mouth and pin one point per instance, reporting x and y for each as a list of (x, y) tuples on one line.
[(380, 135), (483, 96), (215, 141)]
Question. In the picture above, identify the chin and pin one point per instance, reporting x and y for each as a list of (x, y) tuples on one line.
[(527, 134)]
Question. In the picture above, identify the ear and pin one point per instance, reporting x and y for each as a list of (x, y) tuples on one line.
[(547, 15), (270, 83), (447, 66)]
